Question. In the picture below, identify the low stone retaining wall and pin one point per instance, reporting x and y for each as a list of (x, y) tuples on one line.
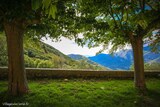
[(34, 73)]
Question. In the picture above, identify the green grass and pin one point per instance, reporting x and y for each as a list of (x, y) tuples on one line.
[(85, 93)]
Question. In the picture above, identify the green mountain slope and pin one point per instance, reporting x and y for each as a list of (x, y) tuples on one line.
[(40, 55), (83, 58)]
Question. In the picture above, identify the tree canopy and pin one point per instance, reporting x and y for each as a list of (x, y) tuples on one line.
[(116, 21), (39, 17)]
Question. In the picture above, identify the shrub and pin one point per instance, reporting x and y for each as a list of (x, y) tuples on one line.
[(45, 64)]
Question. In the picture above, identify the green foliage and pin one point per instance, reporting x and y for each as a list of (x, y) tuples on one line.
[(46, 3), (29, 62), (45, 64), (37, 63), (155, 42), (3, 50), (102, 22), (50, 8), (40, 18), (150, 66), (86, 93), (36, 4), (115, 22)]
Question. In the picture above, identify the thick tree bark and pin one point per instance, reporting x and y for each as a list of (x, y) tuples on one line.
[(17, 75), (139, 77)]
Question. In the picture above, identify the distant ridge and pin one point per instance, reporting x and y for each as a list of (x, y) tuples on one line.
[(124, 59), (83, 58)]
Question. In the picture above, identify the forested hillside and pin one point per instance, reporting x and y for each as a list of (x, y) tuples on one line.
[(40, 55)]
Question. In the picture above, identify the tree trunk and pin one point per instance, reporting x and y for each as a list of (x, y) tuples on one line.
[(17, 76), (139, 78)]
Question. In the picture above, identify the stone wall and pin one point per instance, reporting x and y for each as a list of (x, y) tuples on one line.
[(35, 73)]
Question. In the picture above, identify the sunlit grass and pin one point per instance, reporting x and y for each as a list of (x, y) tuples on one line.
[(85, 93)]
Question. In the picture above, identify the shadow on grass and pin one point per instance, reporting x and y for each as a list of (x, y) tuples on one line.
[(6, 99), (150, 99), (85, 94)]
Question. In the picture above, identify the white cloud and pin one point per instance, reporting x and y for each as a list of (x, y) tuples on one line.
[(67, 46)]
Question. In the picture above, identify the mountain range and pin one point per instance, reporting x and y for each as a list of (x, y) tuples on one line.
[(122, 60)]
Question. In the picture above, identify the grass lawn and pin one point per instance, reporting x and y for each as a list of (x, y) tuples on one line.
[(85, 93)]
